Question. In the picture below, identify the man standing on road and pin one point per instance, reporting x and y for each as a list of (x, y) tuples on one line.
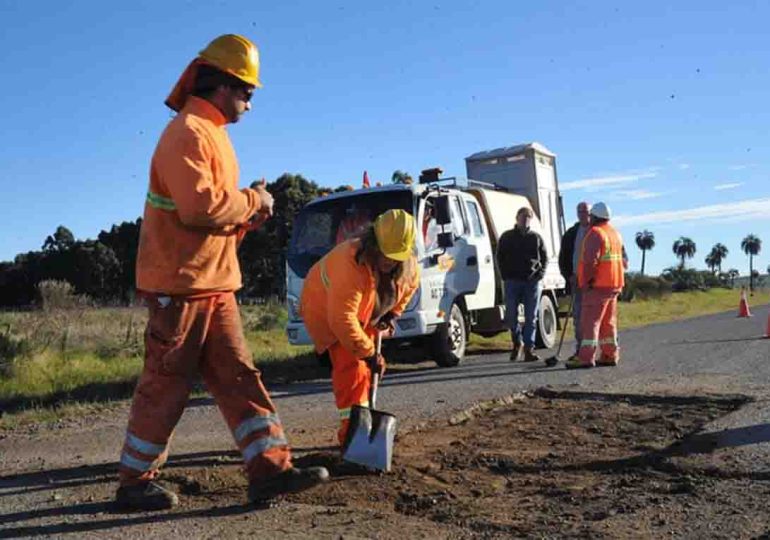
[(522, 259), (187, 270), (568, 263), (600, 278)]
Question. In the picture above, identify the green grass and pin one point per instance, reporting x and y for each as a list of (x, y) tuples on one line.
[(68, 362)]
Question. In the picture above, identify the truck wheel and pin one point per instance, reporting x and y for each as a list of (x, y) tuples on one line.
[(450, 339), (547, 327)]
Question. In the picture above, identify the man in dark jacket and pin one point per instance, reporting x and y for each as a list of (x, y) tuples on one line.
[(522, 259), (568, 259)]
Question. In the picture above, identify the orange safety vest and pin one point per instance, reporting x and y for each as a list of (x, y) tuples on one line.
[(608, 272)]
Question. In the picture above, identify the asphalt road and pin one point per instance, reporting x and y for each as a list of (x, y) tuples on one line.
[(711, 354), (716, 354)]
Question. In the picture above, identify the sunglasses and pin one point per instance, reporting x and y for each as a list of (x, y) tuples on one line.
[(246, 93)]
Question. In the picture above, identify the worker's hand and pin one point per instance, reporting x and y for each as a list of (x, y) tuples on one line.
[(387, 324), (376, 364), (256, 221), (264, 196)]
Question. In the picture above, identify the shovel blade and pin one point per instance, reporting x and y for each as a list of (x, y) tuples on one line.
[(370, 438)]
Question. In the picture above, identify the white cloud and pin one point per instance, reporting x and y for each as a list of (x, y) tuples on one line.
[(756, 209), (741, 167), (733, 185), (637, 194), (591, 184), (684, 166)]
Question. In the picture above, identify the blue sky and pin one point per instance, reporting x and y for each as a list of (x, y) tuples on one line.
[(658, 108)]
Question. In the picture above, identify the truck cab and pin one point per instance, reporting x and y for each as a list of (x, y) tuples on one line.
[(459, 223)]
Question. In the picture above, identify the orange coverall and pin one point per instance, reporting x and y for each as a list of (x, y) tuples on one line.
[(601, 279), (188, 270), (338, 299)]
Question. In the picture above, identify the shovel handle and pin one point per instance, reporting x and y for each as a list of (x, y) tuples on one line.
[(375, 376)]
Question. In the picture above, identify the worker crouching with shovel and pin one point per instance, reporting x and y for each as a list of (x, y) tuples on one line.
[(357, 289)]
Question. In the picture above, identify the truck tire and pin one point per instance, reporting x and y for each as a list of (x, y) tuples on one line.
[(547, 325), (450, 339)]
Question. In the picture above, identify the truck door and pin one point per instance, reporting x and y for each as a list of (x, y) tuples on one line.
[(484, 297)]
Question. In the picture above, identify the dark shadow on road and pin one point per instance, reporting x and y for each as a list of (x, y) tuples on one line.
[(706, 443), (64, 478), (125, 520)]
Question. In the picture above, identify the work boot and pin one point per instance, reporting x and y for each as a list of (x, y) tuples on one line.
[(289, 481), (515, 351), (574, 362), (530, 355), (607, 361), (145, 496)]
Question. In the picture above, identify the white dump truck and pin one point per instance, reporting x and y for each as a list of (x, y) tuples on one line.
[(460, 221)]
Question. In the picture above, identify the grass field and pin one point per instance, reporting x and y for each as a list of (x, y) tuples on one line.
[(56, 361)]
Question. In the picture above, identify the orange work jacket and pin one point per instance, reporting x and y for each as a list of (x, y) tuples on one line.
[(601, 258), (339, 296), (189, 233)]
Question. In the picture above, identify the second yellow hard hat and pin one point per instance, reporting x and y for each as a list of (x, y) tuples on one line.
[(394, 230)]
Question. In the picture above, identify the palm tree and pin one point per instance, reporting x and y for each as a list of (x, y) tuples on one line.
[(711, 261), (751, 245), (720, 252), (732, 273), (684, 248), (645, 240)]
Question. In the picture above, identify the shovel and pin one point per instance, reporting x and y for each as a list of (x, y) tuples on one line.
[(371, 432), (553, 360)]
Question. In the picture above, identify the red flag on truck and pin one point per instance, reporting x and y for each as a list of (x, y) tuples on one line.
[(366, 180)]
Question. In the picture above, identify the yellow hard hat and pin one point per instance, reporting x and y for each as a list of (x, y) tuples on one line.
[(229, 53), (394, 230), (235, 55)]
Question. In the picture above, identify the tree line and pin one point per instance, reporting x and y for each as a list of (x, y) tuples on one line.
[(104, 269), (685, 248)]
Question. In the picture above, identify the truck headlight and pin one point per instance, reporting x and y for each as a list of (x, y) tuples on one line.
[(292, 306)]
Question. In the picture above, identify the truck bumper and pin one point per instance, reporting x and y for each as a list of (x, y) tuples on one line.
[(410, 324)]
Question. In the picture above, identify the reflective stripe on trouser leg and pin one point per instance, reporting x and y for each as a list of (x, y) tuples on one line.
[(172, 350), (141, 456), (590, 318), (350, 384), (230, 375), (608, 329)]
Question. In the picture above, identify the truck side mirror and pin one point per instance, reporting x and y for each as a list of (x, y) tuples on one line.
[(445, 240), (443, 217)]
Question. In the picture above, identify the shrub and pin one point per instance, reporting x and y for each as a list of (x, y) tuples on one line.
[(59, 294), (11, 347), (269, 316), (644, 287)]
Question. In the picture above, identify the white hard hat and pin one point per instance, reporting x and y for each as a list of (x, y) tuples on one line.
[(601, 211)]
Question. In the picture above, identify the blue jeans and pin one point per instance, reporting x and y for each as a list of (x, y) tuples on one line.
[(527, 293), (576, 303)]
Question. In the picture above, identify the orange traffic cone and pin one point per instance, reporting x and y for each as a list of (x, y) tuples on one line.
[(743, 307)]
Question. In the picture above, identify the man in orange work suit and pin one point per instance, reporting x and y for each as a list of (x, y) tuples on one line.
[(362, 285), (600, 277), (187, 270)]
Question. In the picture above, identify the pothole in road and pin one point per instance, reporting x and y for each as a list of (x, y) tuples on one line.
[(554, 464)]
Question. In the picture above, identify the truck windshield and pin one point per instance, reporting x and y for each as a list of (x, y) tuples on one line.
[(321, 226)]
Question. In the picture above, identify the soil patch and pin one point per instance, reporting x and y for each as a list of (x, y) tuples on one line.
[(548, 465)]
